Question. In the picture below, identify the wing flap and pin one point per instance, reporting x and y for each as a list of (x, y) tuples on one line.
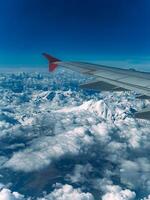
[(143, 97), (101, 86), (144, 114)]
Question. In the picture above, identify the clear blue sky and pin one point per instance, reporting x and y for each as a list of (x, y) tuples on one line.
[(74, 29)]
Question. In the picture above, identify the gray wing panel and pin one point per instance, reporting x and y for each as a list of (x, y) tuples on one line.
[(101, 86), (143, 97), (145, 114)]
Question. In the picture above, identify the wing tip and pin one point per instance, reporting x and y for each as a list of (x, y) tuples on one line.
[(52, 61)]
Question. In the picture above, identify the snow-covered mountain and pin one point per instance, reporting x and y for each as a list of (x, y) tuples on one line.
[(58, 142)]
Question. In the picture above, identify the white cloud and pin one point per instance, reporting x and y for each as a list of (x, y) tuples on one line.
[(136, 173), (6, 194), (101, 131), (63, 121), (113, 192), (80, 172), (116, 193), (44, 150), (67, 192), (146, 198)]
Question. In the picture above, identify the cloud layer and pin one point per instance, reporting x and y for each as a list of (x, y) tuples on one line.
[(60, 141)]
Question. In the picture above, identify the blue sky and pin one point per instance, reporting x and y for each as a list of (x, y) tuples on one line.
[(96, 30)]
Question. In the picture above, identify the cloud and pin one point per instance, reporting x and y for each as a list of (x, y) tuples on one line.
[(113, 192), (67, 192), (80, 173), (55, 123), (133, 173), (6, 194), (116, 193), (146, 198), (44, 150)]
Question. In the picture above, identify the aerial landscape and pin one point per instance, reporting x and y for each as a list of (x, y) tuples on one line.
[(62, 136), (58, 141)]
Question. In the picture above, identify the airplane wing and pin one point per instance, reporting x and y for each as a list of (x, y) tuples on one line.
[(110, 79)]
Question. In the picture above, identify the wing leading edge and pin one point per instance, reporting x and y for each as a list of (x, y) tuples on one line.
[(110, 79)]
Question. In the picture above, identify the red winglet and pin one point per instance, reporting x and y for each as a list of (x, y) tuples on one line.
[(52, 60)]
